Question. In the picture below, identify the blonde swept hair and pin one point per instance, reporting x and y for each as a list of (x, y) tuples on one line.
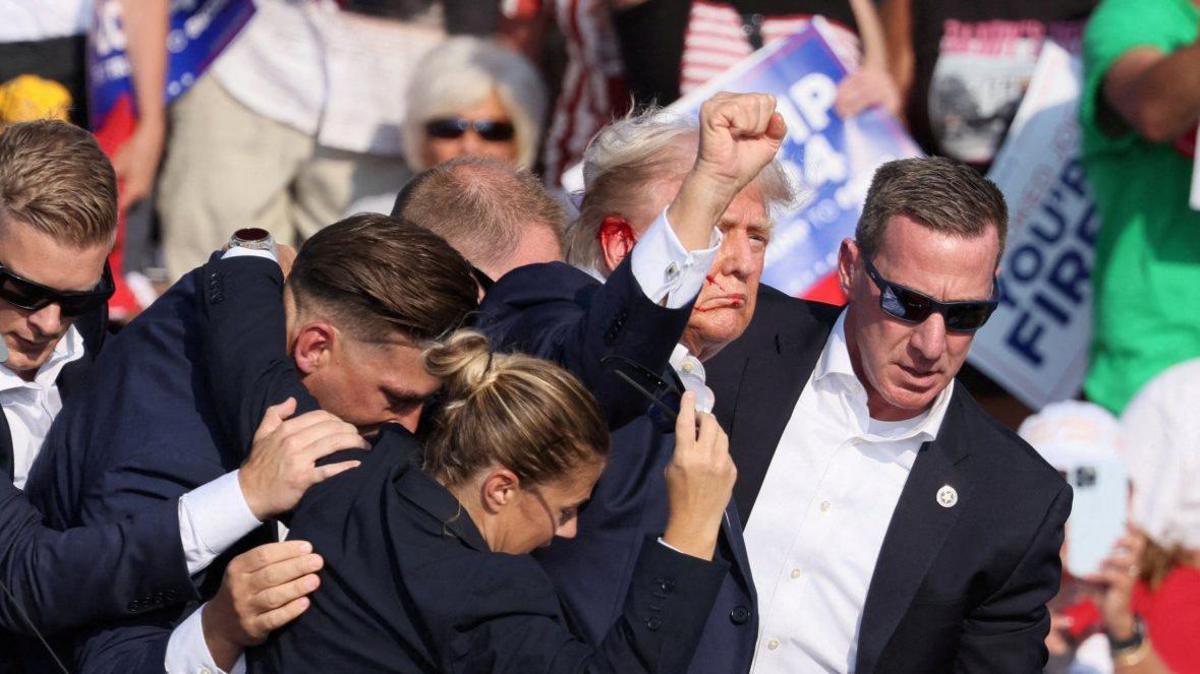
[(526, 414), (55, 178)]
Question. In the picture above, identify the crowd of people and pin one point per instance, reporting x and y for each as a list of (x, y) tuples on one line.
[(311, 364)]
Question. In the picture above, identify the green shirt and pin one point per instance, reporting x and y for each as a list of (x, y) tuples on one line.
[(1147, 273)]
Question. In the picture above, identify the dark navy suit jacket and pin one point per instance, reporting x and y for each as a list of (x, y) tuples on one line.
[(409, 585), (959, 589), (65, 579), (145, 433), (557, 312)]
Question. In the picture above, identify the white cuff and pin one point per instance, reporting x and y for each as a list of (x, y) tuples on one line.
[(187, 651), (668, 273), (212, 517), (238, 251), (668, 545)]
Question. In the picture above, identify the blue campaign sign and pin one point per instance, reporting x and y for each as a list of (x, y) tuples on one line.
[(199, 30), (832, 159)]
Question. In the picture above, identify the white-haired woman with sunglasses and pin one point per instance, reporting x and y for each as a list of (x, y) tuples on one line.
[(474, 97)]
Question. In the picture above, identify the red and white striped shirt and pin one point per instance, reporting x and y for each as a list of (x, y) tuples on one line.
[(593, 87), (716, 40)]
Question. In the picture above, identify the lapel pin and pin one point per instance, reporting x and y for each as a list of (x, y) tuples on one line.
[(947, 497)]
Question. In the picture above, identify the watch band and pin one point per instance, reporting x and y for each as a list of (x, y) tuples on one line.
[(1131, 643)]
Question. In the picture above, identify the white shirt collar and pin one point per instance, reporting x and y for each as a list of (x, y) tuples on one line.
[(68, 350), (835, 362)]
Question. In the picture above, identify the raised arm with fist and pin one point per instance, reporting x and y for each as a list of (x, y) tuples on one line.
[(739, 135)]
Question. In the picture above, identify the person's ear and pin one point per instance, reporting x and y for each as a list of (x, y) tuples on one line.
[(313, 346), (617, 238), (499, 489), (848, 254)]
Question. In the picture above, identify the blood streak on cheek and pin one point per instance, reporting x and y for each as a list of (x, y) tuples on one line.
[(712, 280)]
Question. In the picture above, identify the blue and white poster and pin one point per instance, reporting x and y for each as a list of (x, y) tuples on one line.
[(831, 159), (199, 30), (1036, 344)]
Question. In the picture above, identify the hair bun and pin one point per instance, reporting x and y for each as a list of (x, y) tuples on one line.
[(462, 361)]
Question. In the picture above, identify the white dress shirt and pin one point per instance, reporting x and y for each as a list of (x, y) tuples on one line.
[(820, 517), (30, 406)]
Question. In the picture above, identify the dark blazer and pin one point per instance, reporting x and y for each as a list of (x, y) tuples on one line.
[(65, 579), (409, 585), (557, 312), (959, 589), (142, 434)]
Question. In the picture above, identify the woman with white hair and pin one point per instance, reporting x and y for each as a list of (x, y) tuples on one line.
[(1151, 607), (473, 97)]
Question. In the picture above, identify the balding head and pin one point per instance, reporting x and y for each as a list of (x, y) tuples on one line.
[(497, 217)]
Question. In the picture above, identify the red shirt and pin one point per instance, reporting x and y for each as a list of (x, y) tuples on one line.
[(1172, 618)]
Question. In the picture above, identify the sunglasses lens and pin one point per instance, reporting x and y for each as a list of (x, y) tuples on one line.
[(80, 304), (495, 132), (22, 294), (969, 316), (905, 305), (447, 129)]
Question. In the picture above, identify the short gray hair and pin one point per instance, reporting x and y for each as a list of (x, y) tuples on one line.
[(459, 74), (631, 157), (942, 194)]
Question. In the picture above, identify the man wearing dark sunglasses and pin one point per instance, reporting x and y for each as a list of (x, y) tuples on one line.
[(885, 510)]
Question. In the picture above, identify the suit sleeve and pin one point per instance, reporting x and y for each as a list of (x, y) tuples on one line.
[(244, 343), (579, 329), (65, 579), (1007, 632), (668, 603)]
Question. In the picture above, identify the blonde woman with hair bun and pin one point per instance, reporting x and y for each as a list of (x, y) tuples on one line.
[(426, 550)]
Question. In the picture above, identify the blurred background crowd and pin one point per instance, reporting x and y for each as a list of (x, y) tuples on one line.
[(309, 110)]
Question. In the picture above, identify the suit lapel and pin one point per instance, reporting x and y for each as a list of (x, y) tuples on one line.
[(731, 529), (914, 538)]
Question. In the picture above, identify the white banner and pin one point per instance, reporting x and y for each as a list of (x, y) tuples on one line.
[(1036, 344)]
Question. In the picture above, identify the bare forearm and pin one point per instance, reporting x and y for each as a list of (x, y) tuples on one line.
[(1158, 95), (870, 30), (146, 23)]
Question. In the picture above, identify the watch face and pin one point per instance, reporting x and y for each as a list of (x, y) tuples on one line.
[(252, 234)]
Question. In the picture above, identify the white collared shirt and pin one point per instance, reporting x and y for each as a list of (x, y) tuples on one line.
[(30, 406), (820, 517)]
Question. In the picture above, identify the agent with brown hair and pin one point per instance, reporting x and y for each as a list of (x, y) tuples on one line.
[(427, 556), (57, 224), (364, 295)]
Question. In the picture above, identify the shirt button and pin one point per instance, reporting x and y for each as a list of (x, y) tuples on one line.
[(825, 506), (672, 270), (772, 644), (795, 573)]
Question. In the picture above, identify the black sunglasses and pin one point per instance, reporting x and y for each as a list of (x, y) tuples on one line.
[(911, 306), (25, 294), (449, 128)]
